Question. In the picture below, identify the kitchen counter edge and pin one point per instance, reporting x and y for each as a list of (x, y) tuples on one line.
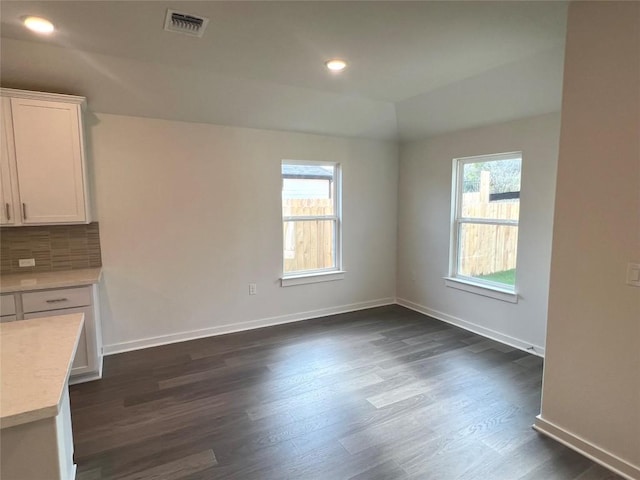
[(24, 282)]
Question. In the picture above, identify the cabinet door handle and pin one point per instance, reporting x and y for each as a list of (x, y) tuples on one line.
[(8, 210), (56, 300), (24, 211)]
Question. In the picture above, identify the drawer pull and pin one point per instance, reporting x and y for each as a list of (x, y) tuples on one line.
[(24, 211), (56, 300), (8, 210)]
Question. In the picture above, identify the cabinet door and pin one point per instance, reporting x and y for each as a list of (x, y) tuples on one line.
[(86, 359), (8, 195), (49, 159), (7, 304)]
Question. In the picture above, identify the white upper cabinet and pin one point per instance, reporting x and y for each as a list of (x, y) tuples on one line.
[(43, 158), (7, 167)]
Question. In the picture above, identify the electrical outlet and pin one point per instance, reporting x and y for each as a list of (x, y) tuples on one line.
[(27, 262), (252, 289)]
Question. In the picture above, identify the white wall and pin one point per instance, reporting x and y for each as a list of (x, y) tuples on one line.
[(424, 228), (591, 391), (190, 215)]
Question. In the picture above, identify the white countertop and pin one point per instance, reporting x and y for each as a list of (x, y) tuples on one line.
[(35, 362), (22, 282)]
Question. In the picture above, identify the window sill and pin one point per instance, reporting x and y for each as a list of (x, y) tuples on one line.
[(480, 289), (312, 278)]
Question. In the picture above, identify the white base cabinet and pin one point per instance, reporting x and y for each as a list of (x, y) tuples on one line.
[(42, 449), (87, 364)]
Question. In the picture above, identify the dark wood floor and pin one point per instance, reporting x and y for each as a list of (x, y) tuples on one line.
[(384, 393)]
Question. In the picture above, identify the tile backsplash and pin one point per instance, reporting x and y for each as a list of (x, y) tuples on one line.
[(54, 247)]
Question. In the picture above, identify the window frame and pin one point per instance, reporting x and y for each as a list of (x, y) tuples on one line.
[(488, 288), (323, 274)]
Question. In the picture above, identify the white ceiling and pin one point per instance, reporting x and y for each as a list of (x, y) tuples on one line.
[(415, 68)]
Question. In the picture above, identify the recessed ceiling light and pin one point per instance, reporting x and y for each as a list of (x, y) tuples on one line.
[(336, 65), (38, 24)]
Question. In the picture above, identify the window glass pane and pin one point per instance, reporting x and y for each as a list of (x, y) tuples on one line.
[(491, 189), (308, 190), (308, 245), (488, 252)]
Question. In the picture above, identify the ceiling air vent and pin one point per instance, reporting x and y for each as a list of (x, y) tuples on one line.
[(185, 23)]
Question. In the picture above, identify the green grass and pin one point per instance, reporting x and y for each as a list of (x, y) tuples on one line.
[(508, 277)]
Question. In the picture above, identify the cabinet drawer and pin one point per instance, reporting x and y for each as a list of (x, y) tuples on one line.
[(56, 299), (7, 305)]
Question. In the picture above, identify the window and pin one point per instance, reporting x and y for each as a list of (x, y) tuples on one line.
[(311, 219), (486, 208)]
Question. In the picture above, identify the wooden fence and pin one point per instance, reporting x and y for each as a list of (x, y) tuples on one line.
[(308, 245), (487, 249)]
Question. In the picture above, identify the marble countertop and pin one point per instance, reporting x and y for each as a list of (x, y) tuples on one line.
[(22, 282), (35, 362)]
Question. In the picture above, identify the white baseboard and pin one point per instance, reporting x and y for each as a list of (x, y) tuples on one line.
[(238, 327), (472, 327), (297, 317), (588, 449)]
